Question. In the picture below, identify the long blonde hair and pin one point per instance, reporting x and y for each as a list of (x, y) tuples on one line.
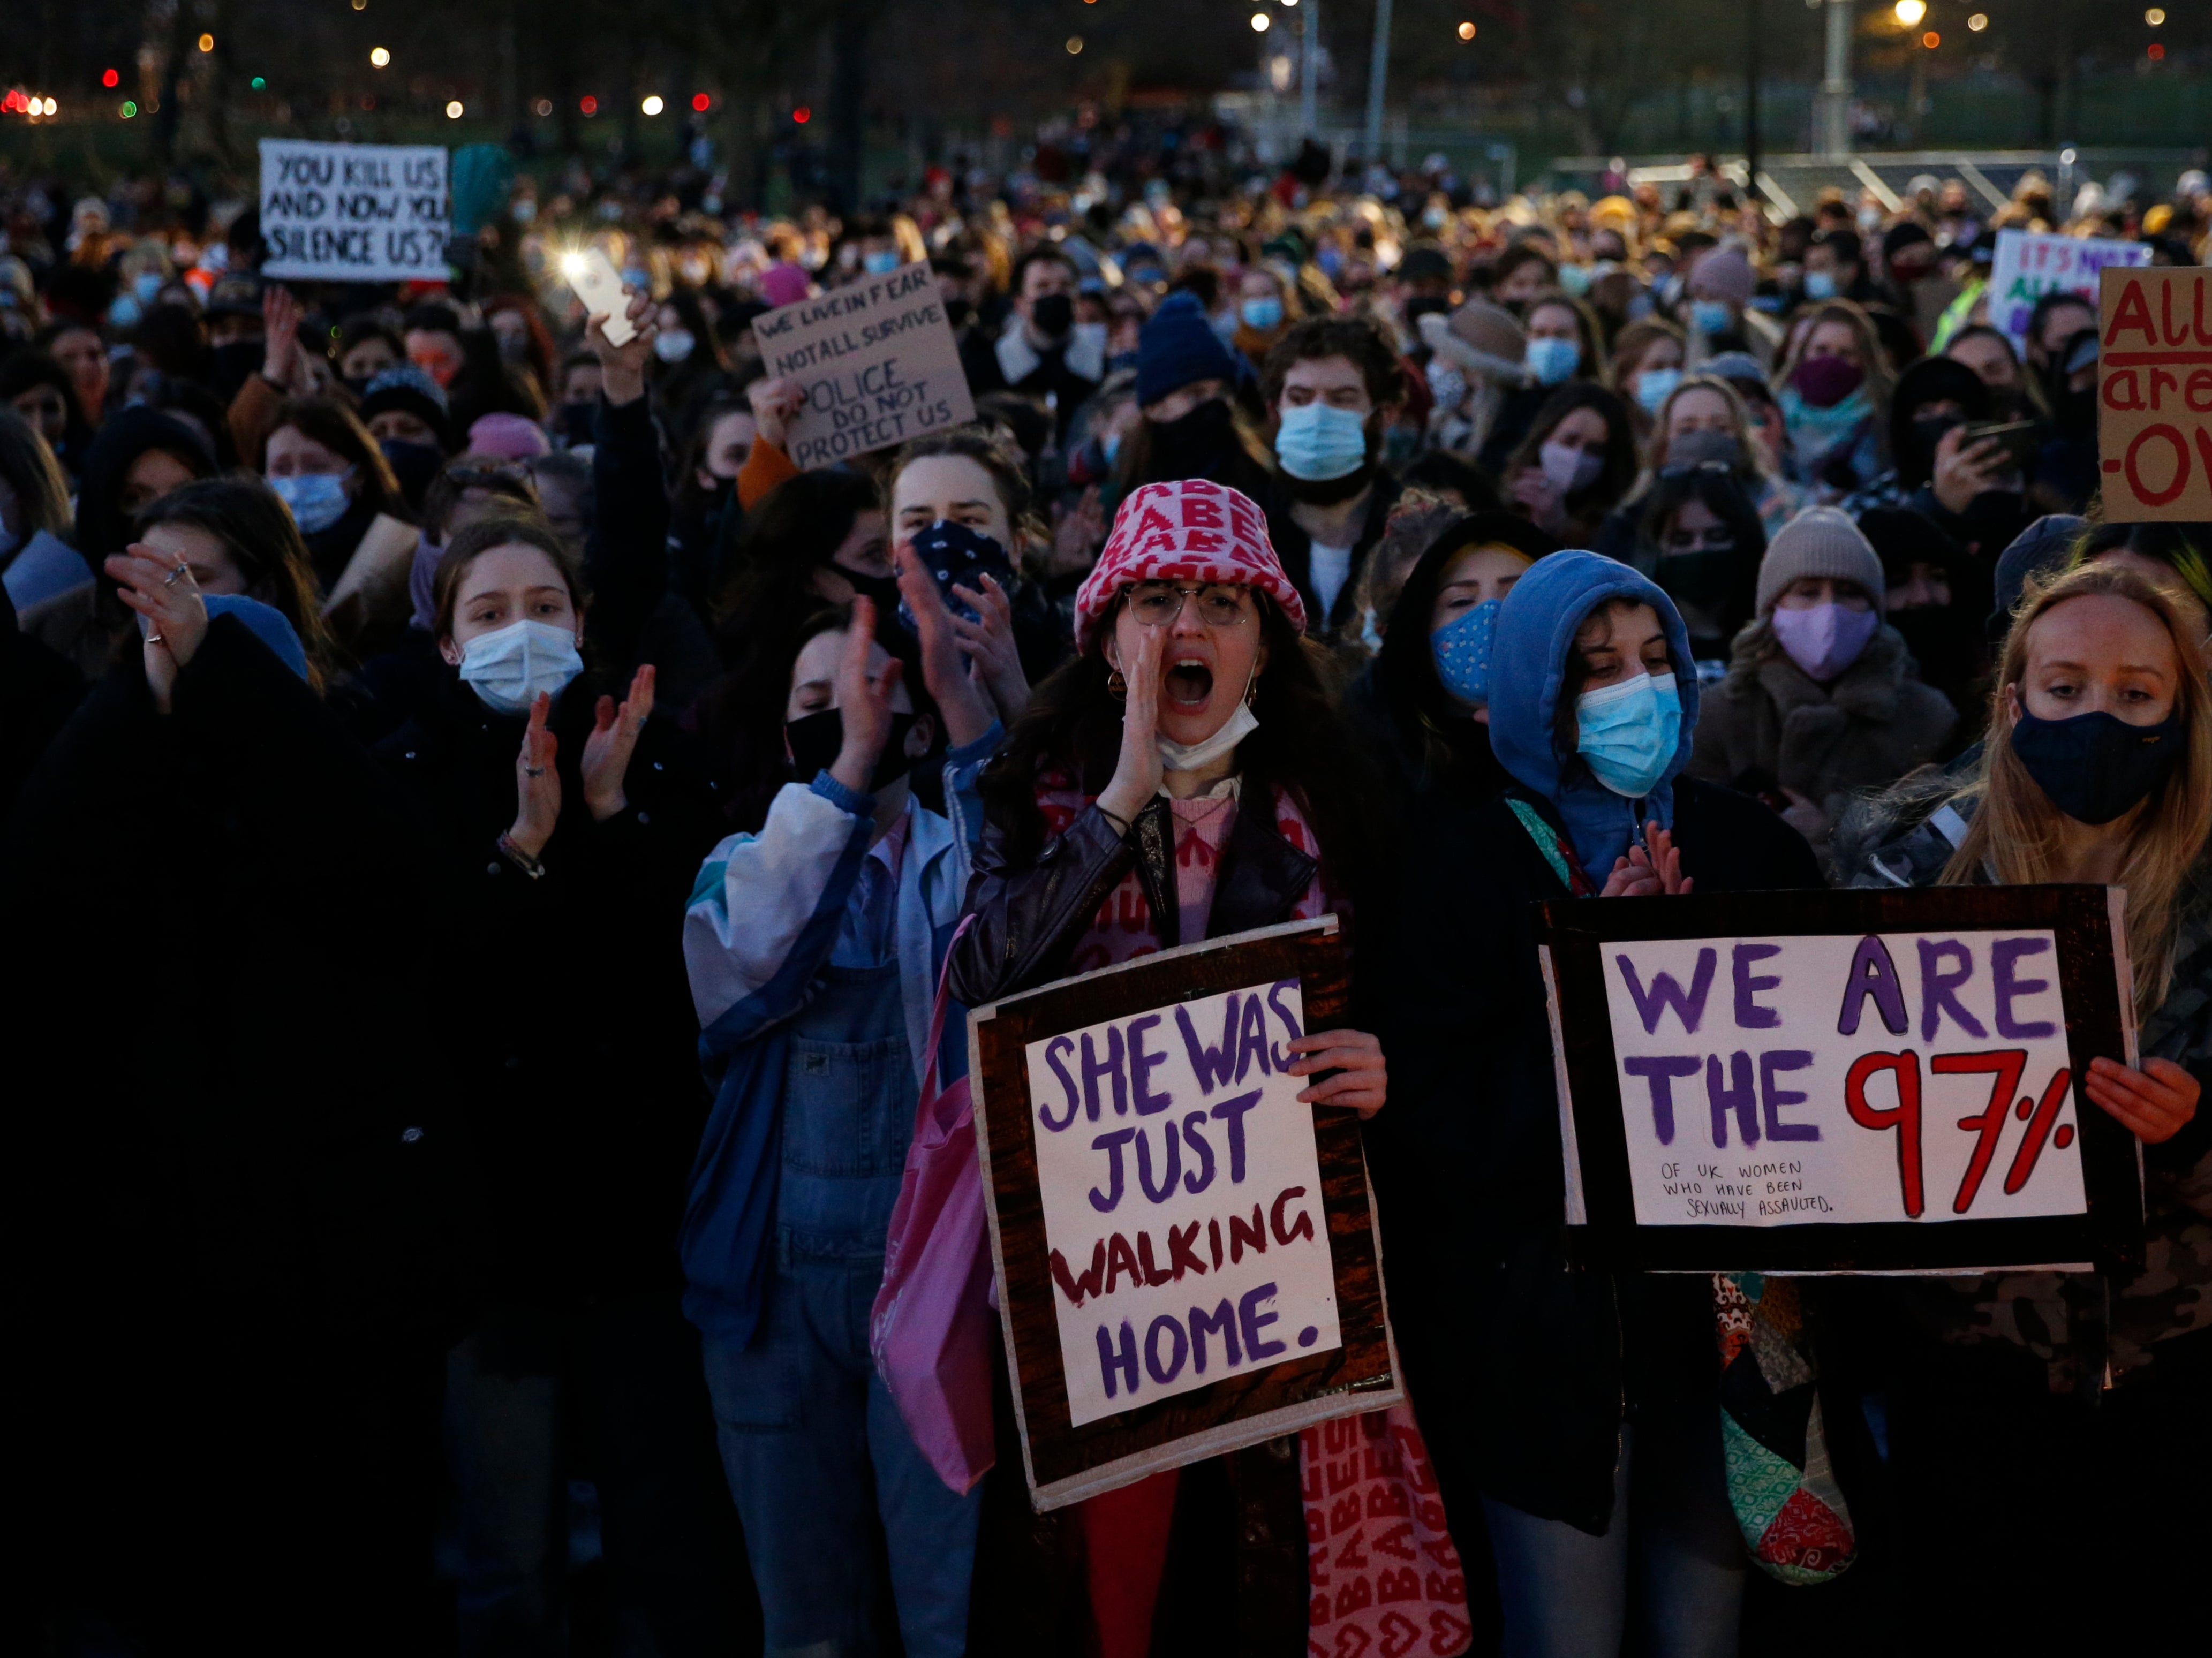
[(2013, 830)]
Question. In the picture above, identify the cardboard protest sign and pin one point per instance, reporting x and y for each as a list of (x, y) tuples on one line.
[(877, 361), (354, 213), (1878, 1081), (1187, 1256), (2154, 393), (2030, 263)]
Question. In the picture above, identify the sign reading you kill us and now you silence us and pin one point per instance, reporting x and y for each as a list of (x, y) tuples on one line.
[(877, 361), (362, 213)]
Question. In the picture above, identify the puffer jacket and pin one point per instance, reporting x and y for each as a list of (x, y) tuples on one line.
[(1769, 723)]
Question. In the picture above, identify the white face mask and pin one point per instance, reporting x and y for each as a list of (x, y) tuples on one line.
[(508, 669), (1194, 757)]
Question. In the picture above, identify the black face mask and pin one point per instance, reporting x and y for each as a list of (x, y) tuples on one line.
[(1193, 446), (235, 364), (414, 463), (2095, 766), (818, 739), (1053, 315), (883, 590), (1944, 643), (957, 312), (1701, 578), (575, 423)]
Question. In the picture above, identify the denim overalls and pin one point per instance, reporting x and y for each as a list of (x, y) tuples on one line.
[(811, 1439)]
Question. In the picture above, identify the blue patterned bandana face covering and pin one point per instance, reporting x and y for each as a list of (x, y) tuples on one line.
[(1462, 648)]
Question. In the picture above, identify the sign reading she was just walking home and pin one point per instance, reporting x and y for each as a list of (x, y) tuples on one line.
[(877, 361), (1188, 1260), (1181, 1195), (366, 213), (1856, 1079)]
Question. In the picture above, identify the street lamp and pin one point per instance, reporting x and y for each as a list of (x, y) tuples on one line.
[(1910, 12)]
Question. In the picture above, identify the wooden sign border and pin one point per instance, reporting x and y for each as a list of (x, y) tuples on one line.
[(2095, 984), (1065, 1464)]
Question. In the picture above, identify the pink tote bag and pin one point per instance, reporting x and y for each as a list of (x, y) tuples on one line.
[(931, 1329)]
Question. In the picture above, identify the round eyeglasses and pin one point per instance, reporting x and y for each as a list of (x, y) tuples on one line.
[(1157, 603)]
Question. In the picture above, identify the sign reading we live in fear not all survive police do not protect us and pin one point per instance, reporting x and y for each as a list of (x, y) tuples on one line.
[(1187, 1255), (1874, 1081), (877, 361)]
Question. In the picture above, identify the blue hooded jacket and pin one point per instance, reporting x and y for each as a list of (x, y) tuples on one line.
[(1536, 628)]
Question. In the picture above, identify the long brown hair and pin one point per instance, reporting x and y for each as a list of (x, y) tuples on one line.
[(2013, 831)]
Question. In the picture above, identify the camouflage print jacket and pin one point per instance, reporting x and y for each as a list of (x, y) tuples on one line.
[(2082, 1326)]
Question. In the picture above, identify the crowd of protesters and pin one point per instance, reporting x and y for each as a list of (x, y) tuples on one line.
[(545, 828)]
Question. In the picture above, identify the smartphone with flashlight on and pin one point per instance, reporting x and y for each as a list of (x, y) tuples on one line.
[(592, 279)]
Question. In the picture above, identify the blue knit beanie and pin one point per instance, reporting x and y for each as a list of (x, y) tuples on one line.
[(1177, 347), (266, 623)]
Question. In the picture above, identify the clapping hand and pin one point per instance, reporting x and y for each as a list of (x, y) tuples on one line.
[(864, 702), (537, 782), (1649, 873), (613, 740), (162, 590)]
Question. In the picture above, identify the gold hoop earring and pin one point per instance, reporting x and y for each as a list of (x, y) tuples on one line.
[(1116, 687)]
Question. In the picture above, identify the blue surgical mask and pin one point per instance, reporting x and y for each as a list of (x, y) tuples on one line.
[(508, 668), (318, 499), (1462, 648), (1820, 284), (1654, 385), (673, 344), (1263, 313), (1553, 361), (146, 284), (1317, 442), (1709, 317), (1577, 278), (881, 262), (1628, 732)]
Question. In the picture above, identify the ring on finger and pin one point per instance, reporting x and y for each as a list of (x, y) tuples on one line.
[(533, 771), (174, 576)]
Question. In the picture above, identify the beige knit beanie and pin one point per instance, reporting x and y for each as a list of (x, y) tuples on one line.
[(1820, 541)]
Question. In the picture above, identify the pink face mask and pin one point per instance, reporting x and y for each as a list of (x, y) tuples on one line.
[(1827, 639), (1823, 382)]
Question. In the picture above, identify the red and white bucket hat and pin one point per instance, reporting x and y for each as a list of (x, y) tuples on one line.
[(1189, 531)]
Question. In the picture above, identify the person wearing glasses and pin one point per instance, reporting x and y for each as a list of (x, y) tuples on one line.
[(1820, 699), (1183, 778), (1700, 539)]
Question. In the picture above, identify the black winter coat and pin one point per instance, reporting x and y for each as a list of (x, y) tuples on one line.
[(1520, 1367), (230, 1241), (565, 1006)]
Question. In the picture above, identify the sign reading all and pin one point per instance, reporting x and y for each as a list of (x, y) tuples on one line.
[(2154, 393)]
